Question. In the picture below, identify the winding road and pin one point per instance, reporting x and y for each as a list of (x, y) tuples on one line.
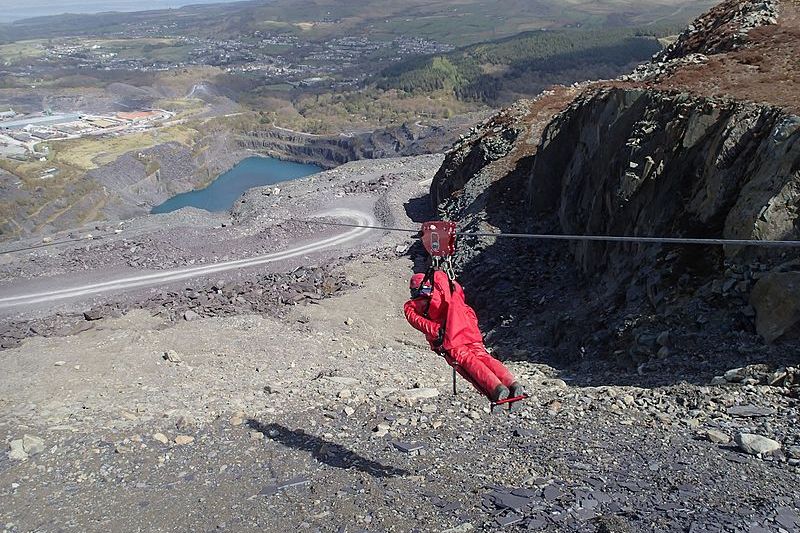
[(168, 276)]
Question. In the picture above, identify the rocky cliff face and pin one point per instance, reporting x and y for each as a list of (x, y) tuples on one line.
[(636, 162), (640, 157), (329, 151)]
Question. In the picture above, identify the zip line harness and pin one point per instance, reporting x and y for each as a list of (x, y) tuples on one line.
[(439, 240)]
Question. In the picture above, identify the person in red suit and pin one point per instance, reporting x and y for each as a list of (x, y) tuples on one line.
[(438, 309)]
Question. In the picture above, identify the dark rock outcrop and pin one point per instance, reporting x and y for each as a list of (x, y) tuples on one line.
[(329, 151), (646, 163), (480, 146), (776, 300)]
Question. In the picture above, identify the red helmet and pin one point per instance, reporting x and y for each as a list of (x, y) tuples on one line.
[(416, 281)]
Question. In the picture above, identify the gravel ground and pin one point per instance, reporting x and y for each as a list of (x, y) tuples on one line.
[(330, 414), (337, 418)]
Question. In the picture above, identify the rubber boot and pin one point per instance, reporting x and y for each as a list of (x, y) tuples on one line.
[(517, 390), (500, 393)]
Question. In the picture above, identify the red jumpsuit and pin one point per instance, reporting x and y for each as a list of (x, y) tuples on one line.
[(462, 345)]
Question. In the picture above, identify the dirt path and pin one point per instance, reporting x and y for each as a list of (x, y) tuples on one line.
[(169, 276)]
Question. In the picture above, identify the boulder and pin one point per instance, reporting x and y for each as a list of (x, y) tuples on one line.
[(93, 314), (756, 444), (776, 299)]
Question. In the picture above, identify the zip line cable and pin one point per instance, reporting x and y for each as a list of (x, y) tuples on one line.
[(532, 236), (594, 238), (345, 225), (644, 240), (56, 243)]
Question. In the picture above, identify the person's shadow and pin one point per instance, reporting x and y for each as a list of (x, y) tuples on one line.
[(324, 451)]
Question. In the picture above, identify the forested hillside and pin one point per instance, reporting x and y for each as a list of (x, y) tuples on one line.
[(501, 70)]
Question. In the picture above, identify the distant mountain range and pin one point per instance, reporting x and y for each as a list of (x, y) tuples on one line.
[(456, 22), (11, 10)]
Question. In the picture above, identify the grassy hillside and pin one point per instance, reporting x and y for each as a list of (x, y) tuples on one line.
[(523, 64)]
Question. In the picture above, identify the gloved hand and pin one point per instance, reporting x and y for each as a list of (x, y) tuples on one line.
[(439, 339)]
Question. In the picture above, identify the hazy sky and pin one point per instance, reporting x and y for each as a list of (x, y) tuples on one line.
[(18, 9)]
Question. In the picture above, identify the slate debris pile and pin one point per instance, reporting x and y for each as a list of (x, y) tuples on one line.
[(189, 237), (377, 185), (787, 378), (556, 504), (724, 29), (656, 69), (573, 471), (61, 325), (265, 295)]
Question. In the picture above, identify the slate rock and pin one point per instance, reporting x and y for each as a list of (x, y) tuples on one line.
[(509, 519), (407, 447), (750, 411), (294, 482), (552, 493), (756, 444), (505, 500), (776, 299), (717, 437), (92, 315), (172, 356), (16, 451), (419, 394), (787, 518), (32, 445), (734, 375)]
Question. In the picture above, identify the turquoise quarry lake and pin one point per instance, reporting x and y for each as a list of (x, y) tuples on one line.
[(221, 194)]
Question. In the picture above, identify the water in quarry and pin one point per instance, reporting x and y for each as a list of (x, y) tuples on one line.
[(221, 194)]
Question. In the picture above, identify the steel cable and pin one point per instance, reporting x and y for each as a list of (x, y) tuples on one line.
[(594, 238), (532, 236)]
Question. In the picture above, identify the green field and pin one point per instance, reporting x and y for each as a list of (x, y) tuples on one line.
[(91, 152), (152, 49), (21, 50)]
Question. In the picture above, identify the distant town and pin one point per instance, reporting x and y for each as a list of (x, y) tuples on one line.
[(276, 58)]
